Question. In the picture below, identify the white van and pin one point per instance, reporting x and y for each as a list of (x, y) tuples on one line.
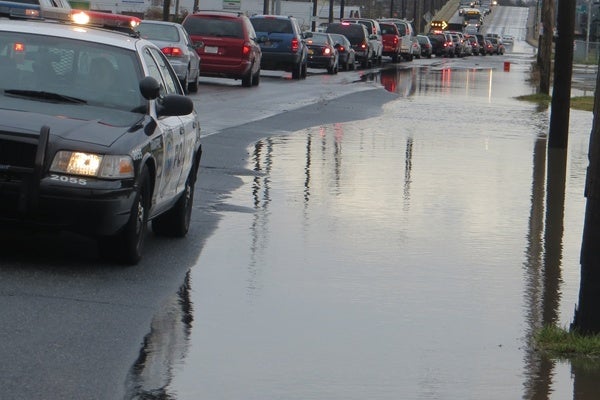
[(407, 33)]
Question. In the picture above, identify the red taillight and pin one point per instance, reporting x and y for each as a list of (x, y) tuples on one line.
[(326, 51), (395, 39), (246, 50), (172, 51), (341, 48), (295, 45), (18, 47), (363, 46)]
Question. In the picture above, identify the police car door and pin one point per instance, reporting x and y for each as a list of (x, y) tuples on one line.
[(170, 153)]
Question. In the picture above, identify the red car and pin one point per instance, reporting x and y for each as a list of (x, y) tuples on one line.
[(226, 44), (489, 48), (391, 40)]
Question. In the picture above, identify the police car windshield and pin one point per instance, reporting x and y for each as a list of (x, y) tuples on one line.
[(46, 67)]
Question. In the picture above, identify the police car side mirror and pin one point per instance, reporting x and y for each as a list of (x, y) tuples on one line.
[(150, 88), (175, 104)]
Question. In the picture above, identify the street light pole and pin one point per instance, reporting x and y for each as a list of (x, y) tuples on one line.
[(587, 31)]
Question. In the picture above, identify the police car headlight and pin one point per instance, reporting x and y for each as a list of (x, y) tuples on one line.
[(89, 164)]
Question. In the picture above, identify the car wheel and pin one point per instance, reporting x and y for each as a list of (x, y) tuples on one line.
[(193, 85), (256, 78), (184, 84), (297, 71), (304, 72), (395, 58), (127, 246), (176, 221), (247, 79)]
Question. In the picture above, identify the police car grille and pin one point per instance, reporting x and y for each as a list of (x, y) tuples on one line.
[(17, 154)]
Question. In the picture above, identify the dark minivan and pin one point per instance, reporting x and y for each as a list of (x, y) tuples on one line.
[(359, 38)]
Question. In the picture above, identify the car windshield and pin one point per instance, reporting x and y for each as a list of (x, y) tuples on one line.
[(354, 33), (211, 26), (151, 31), (388, 29), (41, 68), (318, 39), (401, 28), (272, 25), (341, 39)]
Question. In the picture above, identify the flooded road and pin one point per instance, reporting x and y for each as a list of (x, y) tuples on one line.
[(405, 256)]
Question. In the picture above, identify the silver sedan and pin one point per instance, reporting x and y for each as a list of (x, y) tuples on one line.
[(176, 44)]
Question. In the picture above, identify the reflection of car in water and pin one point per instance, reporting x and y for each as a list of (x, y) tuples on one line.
[(402, 81)]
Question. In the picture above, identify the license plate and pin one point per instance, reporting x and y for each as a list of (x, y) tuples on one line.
[(211, 49), (311, 51)]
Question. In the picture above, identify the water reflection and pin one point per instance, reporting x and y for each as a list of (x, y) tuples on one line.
[(262, 164), (439, 79), (407, 172), (379, 256), (544, 245), (164, 348)]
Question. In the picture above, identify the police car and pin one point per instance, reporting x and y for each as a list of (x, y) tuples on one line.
[(96, 135)]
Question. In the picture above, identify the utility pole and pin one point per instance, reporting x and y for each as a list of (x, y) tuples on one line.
[(166, 10), (545, 45), (314, 16), (587, 316), (558, 136)]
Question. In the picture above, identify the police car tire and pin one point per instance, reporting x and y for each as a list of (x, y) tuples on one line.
[(176, 221), (127, 246)]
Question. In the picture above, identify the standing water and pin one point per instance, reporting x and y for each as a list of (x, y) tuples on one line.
[(406, 256)]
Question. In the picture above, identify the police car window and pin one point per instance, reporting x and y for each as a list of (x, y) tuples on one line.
[(169, 78), (158, 70)]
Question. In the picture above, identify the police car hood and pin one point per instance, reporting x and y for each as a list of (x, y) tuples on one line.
[(88, 124)]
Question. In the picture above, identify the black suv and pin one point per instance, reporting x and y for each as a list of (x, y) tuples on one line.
[(358, 36), (375, 35), (282, 44)]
